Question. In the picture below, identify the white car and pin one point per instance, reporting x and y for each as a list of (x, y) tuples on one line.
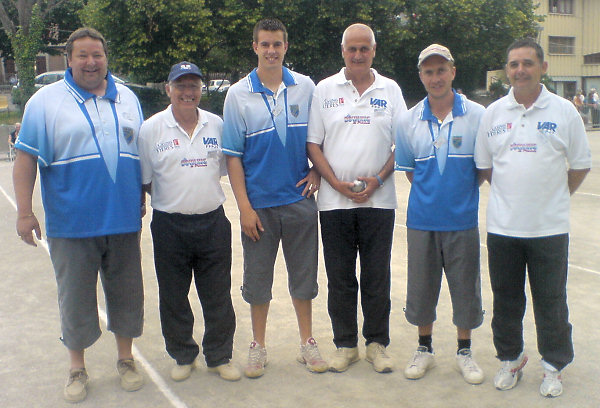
[(50, 77), (218, 85)]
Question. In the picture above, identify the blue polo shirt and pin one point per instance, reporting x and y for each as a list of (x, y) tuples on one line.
[(444, 195), (87, 154), (268, 132)]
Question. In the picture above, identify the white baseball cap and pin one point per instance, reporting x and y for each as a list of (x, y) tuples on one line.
[(435, 49)]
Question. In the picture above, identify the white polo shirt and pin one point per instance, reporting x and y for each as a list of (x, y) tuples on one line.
[(185, 172), (356, 135), (530, 151)]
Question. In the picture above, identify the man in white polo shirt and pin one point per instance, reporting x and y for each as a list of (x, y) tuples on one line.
[(532, 148), (434, 146), (182, 164), (350, 138)]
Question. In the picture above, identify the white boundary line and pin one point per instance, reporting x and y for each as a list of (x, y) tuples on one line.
[(139, 357)]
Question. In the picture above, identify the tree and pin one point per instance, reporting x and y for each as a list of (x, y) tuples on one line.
[(146, 37), (22, 21)]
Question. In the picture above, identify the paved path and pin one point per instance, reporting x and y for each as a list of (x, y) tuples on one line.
[(33, 360)]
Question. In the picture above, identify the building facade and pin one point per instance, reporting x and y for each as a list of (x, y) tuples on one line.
[(570, 36)]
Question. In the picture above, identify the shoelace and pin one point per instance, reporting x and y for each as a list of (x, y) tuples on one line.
[(255, 356), (79, 375), (469, 364), (312, 352)]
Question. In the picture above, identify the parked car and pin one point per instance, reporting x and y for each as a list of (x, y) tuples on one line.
[(218, 85)]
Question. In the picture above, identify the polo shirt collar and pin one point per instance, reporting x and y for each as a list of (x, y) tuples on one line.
[(81, 95), (340, 78), (171, 122), (459, 107), (541, 102), (256, 85)]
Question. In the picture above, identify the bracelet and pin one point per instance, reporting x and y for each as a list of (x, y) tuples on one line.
[(379, 180), (26, 216)]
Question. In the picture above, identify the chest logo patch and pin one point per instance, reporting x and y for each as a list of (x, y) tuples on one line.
[(128, 133), (457, 141), (295, 110), (210, 142)]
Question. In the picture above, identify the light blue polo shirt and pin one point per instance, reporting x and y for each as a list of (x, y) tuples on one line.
[(269, 134), (87, 154), (444, 195)]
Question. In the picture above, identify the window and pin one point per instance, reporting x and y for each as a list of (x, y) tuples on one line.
[(592, 58), (561, 6), (561, 45)]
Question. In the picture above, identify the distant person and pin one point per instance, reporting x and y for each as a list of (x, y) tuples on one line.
[(435, 141), (182, 164), (593, 103), (264, 138), (532, 148), (12, 137), (350, 143), (86, 150)]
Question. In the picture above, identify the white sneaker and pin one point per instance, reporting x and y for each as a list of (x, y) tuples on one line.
[(343, 357), (227, 371), (468, 367), (182, 372), (377, 356), (552, 382), (421, 361), (510, 373), (309, 355), (257, 360)]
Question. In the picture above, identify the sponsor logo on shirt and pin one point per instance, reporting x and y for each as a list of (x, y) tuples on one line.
[(194, 162), (210, 142), (499, 129), (333, 103), (357, 119), (523, 147), (166, 146), (547, 127)]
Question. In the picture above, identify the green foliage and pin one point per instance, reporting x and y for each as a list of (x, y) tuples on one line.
[(146, 37), (152, 100), (498, 89), (548, 83), (26, 42)]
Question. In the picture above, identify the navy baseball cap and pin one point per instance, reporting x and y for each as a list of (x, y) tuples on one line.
[(184, 68)]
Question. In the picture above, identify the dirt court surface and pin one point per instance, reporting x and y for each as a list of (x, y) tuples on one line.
[(33, 361)]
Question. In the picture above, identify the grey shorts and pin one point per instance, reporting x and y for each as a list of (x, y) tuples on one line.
[(296, 227), (76, 264), (457, 253)]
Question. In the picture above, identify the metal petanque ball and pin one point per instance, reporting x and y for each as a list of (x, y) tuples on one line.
[(359, 185)]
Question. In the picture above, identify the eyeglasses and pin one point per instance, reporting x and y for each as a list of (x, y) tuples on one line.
[(182, 87)]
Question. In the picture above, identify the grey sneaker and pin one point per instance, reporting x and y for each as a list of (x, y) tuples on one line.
[(377, 356), (257, 360), (510, 373), (131, 380), (552, 383), (75, 388), (468, 367), (182, 372), (421, 361), (343, 357), (309, 355)]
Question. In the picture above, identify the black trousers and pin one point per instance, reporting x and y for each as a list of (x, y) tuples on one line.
[(368, 232), (545, 260), (198, 245)]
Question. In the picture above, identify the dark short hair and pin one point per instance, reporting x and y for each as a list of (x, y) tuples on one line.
[(269, 24), (526, 42), (84, 32)]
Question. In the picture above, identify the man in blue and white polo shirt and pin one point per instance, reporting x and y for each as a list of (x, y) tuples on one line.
[(434, 146), (350, 138), (264, 138), (82, 133)]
